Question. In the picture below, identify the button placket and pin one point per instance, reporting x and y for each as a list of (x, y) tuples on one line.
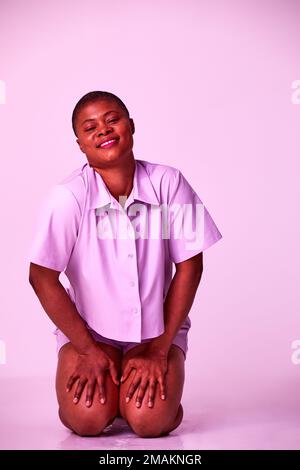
[(132, 270)]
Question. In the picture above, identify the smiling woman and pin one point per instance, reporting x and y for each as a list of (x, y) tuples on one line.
[(122, 325)]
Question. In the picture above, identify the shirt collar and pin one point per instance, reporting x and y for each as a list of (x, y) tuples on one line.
[(142, 190)]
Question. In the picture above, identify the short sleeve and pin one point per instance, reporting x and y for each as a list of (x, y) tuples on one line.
[(56, 229), (191, 227)]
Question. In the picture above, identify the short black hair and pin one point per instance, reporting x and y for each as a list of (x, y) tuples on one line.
[(91, 97)]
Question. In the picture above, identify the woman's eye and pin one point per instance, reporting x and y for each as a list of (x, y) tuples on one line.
[(89, 129), (112, 120)]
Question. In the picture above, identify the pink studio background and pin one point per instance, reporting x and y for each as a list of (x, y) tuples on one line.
[(209, 86)]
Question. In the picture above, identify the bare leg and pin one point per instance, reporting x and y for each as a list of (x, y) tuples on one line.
[(83, 420), (165, 415)]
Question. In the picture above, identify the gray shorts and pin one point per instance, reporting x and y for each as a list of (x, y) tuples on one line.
[(180, 340)]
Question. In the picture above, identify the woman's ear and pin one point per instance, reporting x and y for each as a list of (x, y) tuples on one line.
[(132, 125), (78, 142)]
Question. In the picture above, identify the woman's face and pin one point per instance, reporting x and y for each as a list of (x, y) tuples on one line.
[(99, 122)]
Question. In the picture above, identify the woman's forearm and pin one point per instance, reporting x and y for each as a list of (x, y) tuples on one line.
[(177, 305), (62, 311)]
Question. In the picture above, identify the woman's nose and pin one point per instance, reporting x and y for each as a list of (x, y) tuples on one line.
[(103, 130)]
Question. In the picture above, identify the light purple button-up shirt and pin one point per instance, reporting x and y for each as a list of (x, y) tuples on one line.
[(118, 257)]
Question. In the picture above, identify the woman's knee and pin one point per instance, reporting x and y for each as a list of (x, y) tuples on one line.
[(143, 427), (83, 420), (149, 424), (86, 422), (89, 426)]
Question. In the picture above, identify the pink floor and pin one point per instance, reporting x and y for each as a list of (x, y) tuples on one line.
[(29, 420)]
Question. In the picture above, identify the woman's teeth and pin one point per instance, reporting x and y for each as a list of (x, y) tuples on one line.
[(108, 143)]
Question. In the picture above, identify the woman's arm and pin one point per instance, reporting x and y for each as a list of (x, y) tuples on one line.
[(59, 307), (179, 300), (92, 362), (152, 362)]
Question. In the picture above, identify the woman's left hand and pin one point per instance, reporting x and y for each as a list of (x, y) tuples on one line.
[(150, 367)]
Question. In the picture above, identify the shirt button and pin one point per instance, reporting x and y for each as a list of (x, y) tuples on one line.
[(131, 283), (135, 310), (130, 255)]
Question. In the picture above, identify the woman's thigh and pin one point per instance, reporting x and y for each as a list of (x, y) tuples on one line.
[(78, 417), (161, 418)]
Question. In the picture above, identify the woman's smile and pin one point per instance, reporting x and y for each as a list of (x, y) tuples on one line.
[(108, 143)]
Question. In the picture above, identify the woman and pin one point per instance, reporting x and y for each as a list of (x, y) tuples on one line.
[(116, 226)]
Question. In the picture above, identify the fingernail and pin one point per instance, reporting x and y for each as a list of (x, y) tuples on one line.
[(75, 400), (163, 397), (127, 399), (88, 403), (102, 401), (67, 389), (138, 404), (150, 404), (122, 378)]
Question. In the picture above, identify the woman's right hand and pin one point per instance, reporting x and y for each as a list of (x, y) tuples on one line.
[(91, 369)]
